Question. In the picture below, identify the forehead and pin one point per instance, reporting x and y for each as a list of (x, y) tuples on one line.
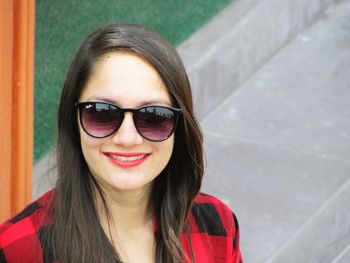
[(126, 79)]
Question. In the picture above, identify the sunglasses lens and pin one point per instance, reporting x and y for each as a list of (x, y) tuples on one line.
[(155, 123), (100, 119)]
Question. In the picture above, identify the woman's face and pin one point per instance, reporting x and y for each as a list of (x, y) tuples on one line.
[(125, 160)]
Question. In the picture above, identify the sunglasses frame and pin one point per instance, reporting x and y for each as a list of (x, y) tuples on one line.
[(175, 111)]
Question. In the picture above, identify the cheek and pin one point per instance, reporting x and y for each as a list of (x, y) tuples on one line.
[(166, 148), (89, 145)]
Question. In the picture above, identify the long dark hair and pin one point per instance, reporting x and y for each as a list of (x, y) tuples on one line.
[(77, 235)]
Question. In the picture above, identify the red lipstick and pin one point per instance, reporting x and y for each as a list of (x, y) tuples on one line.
[(127, 160)]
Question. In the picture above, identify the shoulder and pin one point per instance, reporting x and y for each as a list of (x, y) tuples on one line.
[(211, 213), (213, 230), (19, 235)]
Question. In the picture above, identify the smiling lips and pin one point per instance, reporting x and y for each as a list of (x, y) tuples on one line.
[(127, 160)]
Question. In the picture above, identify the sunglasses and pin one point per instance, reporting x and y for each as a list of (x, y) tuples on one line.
[(154, 123)]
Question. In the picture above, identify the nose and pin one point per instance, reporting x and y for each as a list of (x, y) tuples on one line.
[(127, 134)]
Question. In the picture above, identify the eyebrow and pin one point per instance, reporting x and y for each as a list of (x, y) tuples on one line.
[(144, 103)]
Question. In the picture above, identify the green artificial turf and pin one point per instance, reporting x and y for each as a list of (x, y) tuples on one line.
[(62, 25)]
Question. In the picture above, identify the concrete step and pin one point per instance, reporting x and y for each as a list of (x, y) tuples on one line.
[(278, 147), (226, 52), (344, 256)]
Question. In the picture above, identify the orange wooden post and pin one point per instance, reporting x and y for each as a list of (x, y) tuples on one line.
[(16, 104), (6, 42)]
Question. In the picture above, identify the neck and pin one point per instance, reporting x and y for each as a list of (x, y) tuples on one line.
[(128, 225), (128, 210)]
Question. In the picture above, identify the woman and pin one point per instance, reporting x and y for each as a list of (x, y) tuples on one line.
[(130, 165)]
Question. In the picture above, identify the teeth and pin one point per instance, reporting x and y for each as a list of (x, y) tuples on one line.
[(127, 159)]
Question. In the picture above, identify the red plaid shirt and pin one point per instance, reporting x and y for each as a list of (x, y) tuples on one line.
[(213, 231)]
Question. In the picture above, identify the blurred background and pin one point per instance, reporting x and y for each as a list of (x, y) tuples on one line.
[(271, 86)]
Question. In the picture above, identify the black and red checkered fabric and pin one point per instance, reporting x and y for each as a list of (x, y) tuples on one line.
[(213, 231)]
